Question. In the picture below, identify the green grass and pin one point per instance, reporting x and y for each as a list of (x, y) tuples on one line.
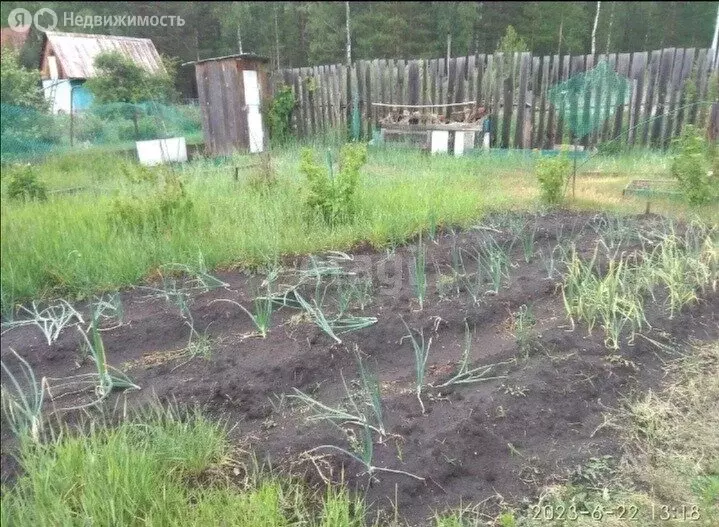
[(159, 469), (69, 246)]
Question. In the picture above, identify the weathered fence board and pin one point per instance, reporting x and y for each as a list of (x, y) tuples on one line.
[(666, 87)]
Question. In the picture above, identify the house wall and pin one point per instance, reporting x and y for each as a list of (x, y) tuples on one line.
[(59, 92)]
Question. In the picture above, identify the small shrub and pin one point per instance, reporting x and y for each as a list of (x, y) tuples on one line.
[(334, 198), (551, 173), (690, 166), (610, 148), (24, 184), (167, 208)]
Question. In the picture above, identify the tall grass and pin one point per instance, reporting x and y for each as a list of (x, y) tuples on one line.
[(158, 469), (69, 245)]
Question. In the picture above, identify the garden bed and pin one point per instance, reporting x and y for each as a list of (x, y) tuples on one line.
[(534, 414)]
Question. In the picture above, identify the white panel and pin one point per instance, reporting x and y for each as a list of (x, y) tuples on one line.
[(458, 143), (252, 88), (439, 141), (469, 138), (252, 103), (58, 93), (52, 66), (254, 126), (158, 151)]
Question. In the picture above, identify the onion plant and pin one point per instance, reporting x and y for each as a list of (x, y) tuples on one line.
[(419, 272), (421, 354), (22, 406), (365, 408), (261, 317), (107, 381), (496, 262), (465, 374), (51, 320), (333, 326), (365, 457)]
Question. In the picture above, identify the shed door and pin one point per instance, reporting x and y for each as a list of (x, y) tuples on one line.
[(254, 118)]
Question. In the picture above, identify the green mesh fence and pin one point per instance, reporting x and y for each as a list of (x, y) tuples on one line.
[(27, 134), (588, 99)]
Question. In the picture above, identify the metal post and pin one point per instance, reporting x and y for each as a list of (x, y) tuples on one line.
[(72, 115), (574, 177)]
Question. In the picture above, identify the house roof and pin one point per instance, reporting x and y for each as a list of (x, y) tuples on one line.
[(13, 38), (76, 52)]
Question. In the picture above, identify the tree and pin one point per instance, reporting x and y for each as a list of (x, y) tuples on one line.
[(20, 86), (511, 42), (119, 79)]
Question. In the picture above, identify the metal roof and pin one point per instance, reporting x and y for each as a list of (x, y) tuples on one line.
[(76, 52), (246, 56)]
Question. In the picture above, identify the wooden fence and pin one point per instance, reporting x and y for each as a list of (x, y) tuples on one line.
[(666, 84)]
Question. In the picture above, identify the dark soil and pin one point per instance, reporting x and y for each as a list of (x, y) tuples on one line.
[(509, 436)]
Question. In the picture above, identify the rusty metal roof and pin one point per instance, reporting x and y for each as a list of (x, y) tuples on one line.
[(76, 52)]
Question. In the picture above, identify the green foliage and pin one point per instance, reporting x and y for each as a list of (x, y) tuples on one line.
[(610, 148), (511, 42), (19, 86), (551, 174), (279, 115), (25, 184), (334, 198), (690, 166), (149, 470), (167, 208), (119, 79)]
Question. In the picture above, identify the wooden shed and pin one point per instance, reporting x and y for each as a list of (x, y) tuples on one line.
[(231, 91)]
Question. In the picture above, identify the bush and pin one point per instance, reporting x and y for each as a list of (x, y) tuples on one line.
[(167, 208), (690, 166), (552, 173), (610, 148), (334, 198), (25, 184), (280, 115)]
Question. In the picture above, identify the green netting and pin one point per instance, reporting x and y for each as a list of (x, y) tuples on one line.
[(588, 99), (27, 134)]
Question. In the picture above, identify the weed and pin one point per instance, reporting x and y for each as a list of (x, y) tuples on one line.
[(552, 172), (523, 322), (691, 167), (334, 199), (26, 185)]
